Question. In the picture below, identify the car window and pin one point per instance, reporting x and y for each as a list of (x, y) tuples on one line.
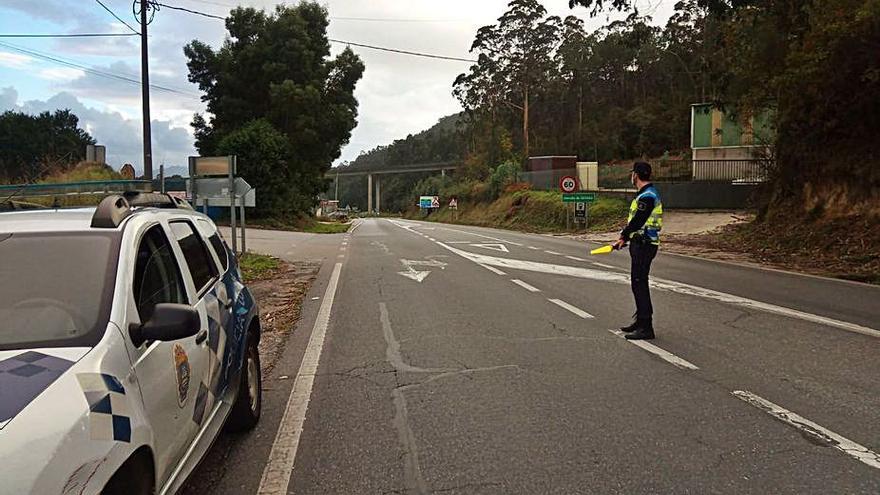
[(201, 267), (56, 289), (156, 275), (220, 249)]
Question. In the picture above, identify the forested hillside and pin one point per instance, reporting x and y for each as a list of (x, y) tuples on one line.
[(445, 141)]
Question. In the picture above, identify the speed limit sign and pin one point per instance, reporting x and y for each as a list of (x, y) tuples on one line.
[(568, 184)]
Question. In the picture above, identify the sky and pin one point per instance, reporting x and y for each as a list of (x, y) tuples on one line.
[(399, 94)]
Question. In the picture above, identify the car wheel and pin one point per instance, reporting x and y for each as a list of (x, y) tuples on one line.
[(248, 405), (135, 477)]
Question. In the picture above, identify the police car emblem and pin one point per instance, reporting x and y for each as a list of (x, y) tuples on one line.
[(181, 365)]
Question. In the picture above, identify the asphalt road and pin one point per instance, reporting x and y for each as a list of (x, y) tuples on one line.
[(450, 359)]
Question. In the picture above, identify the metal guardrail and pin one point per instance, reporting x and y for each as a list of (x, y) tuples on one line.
[(72, 188)]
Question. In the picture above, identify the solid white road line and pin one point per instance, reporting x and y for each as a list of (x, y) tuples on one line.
[(492, 269), (662, 353), (662, 284), (525, 286), (279, 467), (610, 267), (575, 258), (483, 236), (812, 429), (573, 309)]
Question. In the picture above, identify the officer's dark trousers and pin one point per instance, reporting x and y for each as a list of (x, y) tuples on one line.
[(642, 255)]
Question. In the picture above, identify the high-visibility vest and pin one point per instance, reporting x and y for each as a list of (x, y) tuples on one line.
[(654, 224)]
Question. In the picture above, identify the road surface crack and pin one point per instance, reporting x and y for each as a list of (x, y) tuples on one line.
[(467, 487), (414, 482)]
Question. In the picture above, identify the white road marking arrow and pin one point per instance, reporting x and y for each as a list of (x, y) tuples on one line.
[(493, 247), (415, 275), (438, 264)]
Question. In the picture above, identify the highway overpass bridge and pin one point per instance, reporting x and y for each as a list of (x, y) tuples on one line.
[(369, 172)]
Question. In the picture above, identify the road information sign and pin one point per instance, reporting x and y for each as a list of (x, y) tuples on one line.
[(568, 184), (427, 202), (580, 197)]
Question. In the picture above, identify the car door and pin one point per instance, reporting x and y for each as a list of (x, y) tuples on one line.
[(226, 290), (205, 276), (168, 373)]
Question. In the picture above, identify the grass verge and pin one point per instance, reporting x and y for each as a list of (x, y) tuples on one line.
[(532, 211), (326, 228), (257, 266)]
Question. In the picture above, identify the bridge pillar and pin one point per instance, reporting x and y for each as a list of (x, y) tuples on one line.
[(369, 194), (378, 194), (443, 172)]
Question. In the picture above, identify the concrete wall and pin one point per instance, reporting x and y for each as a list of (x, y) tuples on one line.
[(706, 195)]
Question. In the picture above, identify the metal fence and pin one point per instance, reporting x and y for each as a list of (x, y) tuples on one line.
[(616, 176)]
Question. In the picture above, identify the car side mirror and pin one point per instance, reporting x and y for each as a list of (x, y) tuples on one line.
[(169, 322)]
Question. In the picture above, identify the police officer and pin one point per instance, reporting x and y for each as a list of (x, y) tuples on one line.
[(642, 233)]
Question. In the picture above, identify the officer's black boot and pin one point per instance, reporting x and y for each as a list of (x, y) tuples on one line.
[(644, 330), (631, 328)]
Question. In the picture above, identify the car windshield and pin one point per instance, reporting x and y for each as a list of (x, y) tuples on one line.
[(56, 288)]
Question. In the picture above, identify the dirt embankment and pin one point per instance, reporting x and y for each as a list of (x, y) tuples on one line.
[(279, 294), (845, 247)]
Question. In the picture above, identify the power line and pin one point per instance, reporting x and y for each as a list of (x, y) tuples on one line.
[(219, 4), (74, 35), (393, 19), (133, 30), (196, 12), (93, 71), (372, 47), (404, 52)]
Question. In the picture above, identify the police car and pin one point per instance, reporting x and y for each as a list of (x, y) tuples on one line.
[(127, 342)]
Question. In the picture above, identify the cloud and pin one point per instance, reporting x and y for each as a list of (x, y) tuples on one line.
[(14, 60), (399, 94), (60, 73), (58, 11), (8, 99), (121, 135)]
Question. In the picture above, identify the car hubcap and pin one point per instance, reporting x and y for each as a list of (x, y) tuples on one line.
[(253, 382)]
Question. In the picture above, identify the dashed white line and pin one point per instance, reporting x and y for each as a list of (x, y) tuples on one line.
[(661, 353), (809, 428), (534, 248), (578, 311), (575, 258), (610, 267), (525, 286), (483, 236), (276, 475), (492, 269), (432, 239), (553, 253)]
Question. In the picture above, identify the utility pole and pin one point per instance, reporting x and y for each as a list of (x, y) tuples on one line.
[(145, 94)]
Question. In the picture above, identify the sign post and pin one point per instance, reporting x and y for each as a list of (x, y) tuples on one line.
[(567, 185), (580, 212), (213, 179), (232, 203)]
